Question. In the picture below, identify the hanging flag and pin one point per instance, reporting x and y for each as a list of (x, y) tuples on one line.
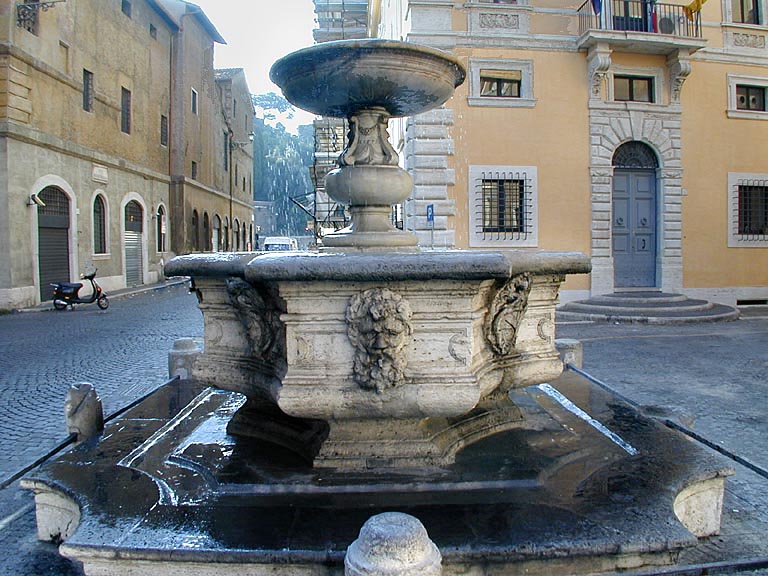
[(693, 8), (653, 22), (597, 6)]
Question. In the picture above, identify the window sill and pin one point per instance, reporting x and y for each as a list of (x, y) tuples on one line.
[(747, 115), (104, 256), (501, 102), (744, 26), (737, 242)]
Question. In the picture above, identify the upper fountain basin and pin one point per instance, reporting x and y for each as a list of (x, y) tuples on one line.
[(340, 78)]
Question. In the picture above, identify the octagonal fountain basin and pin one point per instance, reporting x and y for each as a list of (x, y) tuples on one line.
[(340, 78)]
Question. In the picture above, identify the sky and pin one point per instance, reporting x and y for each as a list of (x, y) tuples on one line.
[(258, 32)]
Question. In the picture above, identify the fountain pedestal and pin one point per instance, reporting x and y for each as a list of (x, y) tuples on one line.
[(378, 369)]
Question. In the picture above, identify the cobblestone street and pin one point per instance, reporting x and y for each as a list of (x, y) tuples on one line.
[(711, 378), (122, 351)]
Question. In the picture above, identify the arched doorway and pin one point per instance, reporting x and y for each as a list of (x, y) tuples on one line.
[(134, 255), (634, 236), (53, 239)]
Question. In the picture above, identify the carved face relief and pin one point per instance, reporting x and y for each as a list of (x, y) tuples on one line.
[(379, 328), (506, 313)]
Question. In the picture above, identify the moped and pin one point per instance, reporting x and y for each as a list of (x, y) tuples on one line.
[(68, 293)]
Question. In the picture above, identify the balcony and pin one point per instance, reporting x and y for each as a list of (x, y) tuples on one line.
[(639, 26)]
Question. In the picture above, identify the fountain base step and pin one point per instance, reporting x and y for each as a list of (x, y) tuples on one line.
[(578, 483)]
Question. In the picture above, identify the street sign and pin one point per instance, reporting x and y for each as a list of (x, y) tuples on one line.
[(431, 215)]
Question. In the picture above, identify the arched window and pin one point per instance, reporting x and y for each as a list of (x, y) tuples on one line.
[(134, 217), (195, 231), (99, 225), (206, 233), (236, 234), (635, 154), (226, 234), (216, 233), (161, 229), (244, 244)]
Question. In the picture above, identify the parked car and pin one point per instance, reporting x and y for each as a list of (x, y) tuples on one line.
[(280, 243)]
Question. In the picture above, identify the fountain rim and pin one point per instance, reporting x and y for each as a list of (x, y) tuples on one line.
[(285, 68)]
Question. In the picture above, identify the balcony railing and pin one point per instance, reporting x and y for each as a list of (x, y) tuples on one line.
[(639, 16)]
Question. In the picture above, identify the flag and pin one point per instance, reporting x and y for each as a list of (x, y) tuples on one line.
[(653, 22), (597, 6), (692, 8)]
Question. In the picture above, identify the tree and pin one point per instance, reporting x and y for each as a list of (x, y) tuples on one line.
[(281, 162)]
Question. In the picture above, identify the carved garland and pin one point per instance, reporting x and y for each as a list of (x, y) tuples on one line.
[(379, 328), (506, 313)]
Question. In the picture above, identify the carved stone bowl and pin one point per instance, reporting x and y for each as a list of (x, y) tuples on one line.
[(340, 78)]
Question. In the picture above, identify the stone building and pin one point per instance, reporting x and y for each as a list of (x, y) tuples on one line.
[(633, 131), (112, 134)]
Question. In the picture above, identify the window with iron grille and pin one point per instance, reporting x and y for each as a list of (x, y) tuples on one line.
[(163, 130), (748, 205), (504, 200), (503, 205), (750, 98), (125, 110), (99, 225), (753, 209), (87, 90)]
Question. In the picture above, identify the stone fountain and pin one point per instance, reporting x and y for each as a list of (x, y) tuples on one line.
[(372, 377)]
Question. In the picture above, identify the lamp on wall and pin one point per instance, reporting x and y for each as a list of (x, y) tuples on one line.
[(34, 200)]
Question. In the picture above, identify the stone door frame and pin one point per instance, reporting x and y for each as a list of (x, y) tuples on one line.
[(661, 130)]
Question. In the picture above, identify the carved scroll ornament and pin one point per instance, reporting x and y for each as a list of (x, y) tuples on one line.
[(261, 323), (506, 313), (379, 328)]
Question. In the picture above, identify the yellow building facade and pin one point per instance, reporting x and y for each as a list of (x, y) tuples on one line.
[(633, 131), (93, 141)]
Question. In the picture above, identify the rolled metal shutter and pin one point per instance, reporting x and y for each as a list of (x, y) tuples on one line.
[(54, 259), (134, 272)]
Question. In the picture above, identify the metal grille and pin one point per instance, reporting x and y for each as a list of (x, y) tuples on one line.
[(752, 209), (56, 202), (134, 216), (99, 226), (503, 206)]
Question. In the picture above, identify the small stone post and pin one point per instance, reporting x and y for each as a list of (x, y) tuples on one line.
[(83, 411), (393, 544), (181, 358), (571, 351)]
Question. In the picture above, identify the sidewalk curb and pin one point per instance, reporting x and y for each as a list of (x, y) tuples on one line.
[(47, 306)]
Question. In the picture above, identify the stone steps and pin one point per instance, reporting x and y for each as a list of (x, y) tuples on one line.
[(645, 307)]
